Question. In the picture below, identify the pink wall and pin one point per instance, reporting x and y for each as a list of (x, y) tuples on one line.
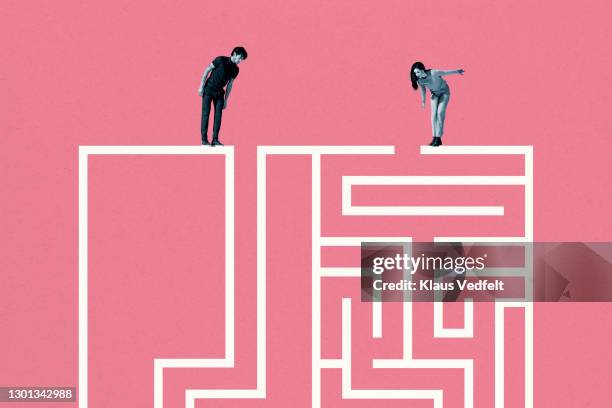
[(126, 73)]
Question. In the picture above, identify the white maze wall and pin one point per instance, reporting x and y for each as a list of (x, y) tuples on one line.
[(318, 273)]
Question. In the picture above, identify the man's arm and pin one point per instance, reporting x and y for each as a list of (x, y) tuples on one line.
[(206, 72), (439, 72), (227, 92)]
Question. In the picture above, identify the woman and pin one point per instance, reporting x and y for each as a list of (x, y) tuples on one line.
[(440, 95)]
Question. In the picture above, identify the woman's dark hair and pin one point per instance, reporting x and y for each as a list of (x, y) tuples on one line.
[(413, 77), (240, 51)]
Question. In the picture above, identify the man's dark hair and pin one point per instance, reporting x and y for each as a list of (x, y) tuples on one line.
[(240, 51)]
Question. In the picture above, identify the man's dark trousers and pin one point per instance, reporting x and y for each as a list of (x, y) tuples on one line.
[(218, 99)]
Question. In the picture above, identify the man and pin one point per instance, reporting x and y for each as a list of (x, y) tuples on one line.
[(223, 71)]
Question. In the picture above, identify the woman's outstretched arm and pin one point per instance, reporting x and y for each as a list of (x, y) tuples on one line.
[(440, 72)]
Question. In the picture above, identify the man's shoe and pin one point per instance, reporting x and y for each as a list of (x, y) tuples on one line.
[(216, 142), (432, 141), (205, 142), (438, 142)]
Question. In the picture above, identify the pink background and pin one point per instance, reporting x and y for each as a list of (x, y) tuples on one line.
[(126, 73)]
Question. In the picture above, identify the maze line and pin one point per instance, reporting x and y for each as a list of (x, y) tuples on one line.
[(347, 390), (159, 364), (527, 182), (467, 331), (318, 273), (262, 153), (349, 181)]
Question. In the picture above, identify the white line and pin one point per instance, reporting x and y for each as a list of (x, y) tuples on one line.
[(159, 364), (466, 365), (323, 150), (319, 363), (193, 363), (517, 304), (527, 152), (435, 395), (356, 241), (347, 390), (529, 306), (192, 395), (158, 384), (467, 331), (164, 150), (261, 271), (377, 320), (228, 360), (346, 346), (347, 200), (422, 363), (349, 209), (229, 256), (316, 280), (529, 355), (261, 387), (425, 210), (432, 180), (340, 272), (468, 386), (83, 290), (331, 363), (476, 149), (528, 272), (315, 152), (469, 240), (529, 195), (356, 271), (499, 355), (406, 332)]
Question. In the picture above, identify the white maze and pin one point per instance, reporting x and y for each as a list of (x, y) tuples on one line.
[(318, 273)]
